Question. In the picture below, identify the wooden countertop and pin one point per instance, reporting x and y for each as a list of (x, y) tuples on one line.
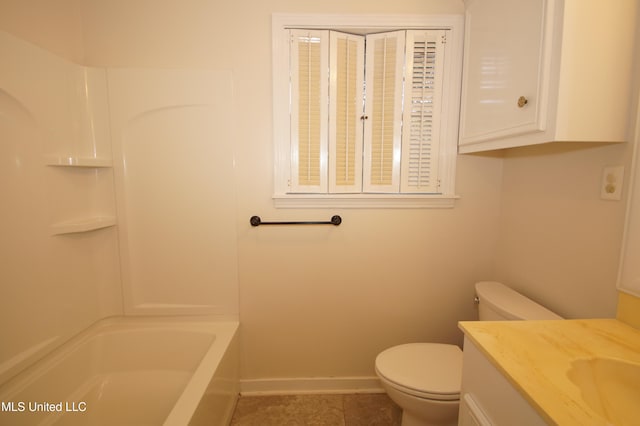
[(535, 357)]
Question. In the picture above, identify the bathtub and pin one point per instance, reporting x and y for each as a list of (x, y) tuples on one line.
[(168, 371)]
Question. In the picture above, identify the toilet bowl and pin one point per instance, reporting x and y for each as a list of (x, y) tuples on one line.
[(424, 378)]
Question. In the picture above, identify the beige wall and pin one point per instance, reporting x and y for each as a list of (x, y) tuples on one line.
[(314, 301), (52, 25), (324, 301), (559, 242)]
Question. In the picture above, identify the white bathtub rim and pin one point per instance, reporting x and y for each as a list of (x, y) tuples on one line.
[(188, 401), (27, 376), (19, 362)]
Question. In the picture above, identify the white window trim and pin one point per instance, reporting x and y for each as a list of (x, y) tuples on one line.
[(281, 129)]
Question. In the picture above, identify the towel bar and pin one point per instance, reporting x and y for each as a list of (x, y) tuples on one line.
[(335, 220)]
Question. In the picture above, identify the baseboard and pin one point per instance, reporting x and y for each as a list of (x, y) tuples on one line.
[(310, 385)]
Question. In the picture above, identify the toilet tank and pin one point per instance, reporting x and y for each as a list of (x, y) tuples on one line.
[(498, 302)]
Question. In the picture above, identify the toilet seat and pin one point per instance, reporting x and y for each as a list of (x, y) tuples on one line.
[(426, 370)]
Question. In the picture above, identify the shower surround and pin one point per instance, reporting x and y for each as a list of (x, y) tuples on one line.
[(118, 199)]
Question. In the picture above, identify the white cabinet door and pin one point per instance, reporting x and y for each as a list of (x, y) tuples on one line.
[(488, 398), (538, 71), (504, 80)]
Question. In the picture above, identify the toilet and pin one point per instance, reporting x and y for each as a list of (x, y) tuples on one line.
[(424, 378)]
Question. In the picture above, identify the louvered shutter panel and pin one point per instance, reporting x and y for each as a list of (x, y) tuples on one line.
[(309, 81), (422, 105), (383, 106), (345, 112)]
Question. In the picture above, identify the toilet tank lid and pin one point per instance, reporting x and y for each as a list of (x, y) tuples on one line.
[(510, 303)]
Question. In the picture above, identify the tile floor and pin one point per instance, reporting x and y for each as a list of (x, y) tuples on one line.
[(317, 410)]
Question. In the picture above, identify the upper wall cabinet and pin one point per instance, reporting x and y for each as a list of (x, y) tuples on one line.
[(538, 71)]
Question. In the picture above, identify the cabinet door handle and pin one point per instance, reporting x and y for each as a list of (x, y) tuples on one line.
[(522, 101)]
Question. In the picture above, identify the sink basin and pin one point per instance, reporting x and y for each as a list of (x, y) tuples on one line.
[(611, 388)]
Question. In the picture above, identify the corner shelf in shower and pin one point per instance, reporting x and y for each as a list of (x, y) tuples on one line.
[(82, 225), (90, 222), (64, 161)]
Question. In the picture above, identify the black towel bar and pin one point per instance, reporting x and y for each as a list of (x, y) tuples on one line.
[(256, 221)]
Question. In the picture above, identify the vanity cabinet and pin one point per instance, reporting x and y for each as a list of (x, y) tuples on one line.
[(539, 71), (487, 398)]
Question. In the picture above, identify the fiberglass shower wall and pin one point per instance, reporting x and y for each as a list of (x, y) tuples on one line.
[(173, 150), (59, 269)]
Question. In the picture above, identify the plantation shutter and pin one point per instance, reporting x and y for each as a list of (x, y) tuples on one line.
[(345, 112), (383, 106), (309, 111), (422, 106)]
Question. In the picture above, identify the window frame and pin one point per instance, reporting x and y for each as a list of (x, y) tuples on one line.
[(282, 22)]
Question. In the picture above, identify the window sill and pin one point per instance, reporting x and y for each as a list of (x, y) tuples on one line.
[(364, 201)]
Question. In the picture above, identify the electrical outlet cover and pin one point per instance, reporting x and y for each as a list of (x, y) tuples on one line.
[(611, 185)]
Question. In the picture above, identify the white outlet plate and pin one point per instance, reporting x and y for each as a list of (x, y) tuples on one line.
[(611, 184)]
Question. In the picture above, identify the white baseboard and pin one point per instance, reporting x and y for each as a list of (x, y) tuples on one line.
[(310, 385)]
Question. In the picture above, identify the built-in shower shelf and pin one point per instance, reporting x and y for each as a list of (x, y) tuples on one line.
[(64, 161), (82, 225)]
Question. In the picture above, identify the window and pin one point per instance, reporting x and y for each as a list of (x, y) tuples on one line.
[(365, 110)]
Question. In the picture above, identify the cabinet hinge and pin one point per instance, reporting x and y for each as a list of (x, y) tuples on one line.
[(444, 39)]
